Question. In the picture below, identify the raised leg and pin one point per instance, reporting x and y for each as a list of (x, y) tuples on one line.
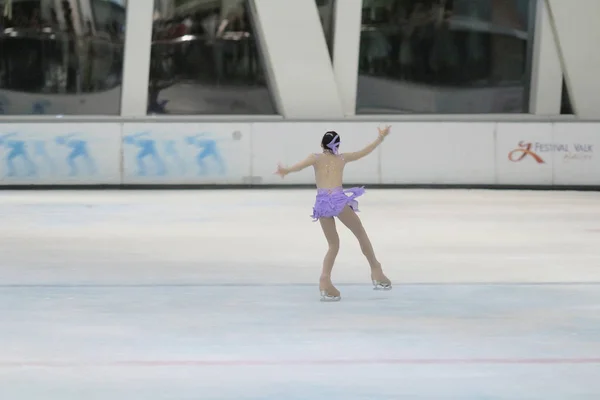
[(328, 291), (353, 222)]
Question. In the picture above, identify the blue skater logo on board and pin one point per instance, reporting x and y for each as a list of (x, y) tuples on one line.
[(196, 155), (27, 157), (207, 151), (17, 158), (79, 157), (148, 161)]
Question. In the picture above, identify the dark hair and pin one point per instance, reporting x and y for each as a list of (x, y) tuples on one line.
[(330, 137)]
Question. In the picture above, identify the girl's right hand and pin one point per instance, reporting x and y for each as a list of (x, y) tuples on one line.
[(281, 171)]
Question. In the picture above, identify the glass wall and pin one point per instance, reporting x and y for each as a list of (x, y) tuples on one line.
[(61, 57), (565, 100), (327, 15), (206, 60), (445, 56)]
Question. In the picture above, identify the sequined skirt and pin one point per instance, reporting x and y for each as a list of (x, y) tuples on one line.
[(330, 202)]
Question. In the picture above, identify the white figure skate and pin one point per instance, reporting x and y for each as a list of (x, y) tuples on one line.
[(328, 291), (379, 280), (328, 297), (382, 285)]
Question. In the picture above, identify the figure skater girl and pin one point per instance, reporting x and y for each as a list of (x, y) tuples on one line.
[(334, 201)]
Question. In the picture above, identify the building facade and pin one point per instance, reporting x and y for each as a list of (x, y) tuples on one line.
[(300, 59)]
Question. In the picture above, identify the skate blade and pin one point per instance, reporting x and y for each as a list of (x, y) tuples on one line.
[(326, 297), (381, 285)]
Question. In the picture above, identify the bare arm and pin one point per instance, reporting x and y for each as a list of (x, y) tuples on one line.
[(357, 155), (307, 162)]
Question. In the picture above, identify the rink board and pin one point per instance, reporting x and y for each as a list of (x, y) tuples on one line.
[(290, 143), (434, 153), (548, 154), (415, 153), (61, 153), (186, 153)]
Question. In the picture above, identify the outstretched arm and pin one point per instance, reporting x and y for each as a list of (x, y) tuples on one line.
[(357, 155), (307, 162)]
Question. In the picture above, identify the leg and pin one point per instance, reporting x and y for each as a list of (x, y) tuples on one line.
[(141, 164), (91, 165), (217, 156), (161, 169), (352, 222), (203, 169), (71, 161), (10, 163), (30, 165), (328, 291)]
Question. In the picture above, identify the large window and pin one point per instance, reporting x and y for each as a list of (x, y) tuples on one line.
[(61, 57), (565, 100), (206, 60), (445, 56), (327, 15)]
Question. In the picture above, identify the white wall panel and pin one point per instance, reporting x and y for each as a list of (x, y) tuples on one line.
[(577, 160), (297, 58), (546, 77), (348, 14), (434, 153), (136, 65), (578, 35)]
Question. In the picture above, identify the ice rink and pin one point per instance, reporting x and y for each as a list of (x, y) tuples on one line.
[(185, 295)]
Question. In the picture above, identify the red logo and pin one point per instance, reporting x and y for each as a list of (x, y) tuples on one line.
[(523, 151)]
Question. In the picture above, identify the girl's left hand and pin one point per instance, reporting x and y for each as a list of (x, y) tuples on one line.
[(385, 131), (281, 171)]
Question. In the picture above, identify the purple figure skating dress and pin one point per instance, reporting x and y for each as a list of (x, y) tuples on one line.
[(331, 202)]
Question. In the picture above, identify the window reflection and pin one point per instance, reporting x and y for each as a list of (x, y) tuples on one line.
[(205, 60), (61, 57), (444, 56)]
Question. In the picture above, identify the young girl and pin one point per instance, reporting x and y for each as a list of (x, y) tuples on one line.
[(333, 201)]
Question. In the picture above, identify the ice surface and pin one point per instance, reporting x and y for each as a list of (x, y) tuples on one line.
[(214, 295)]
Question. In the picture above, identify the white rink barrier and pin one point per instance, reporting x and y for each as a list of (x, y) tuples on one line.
[(418, 153)]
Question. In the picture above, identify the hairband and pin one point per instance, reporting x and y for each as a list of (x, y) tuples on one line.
[(333, 145)]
